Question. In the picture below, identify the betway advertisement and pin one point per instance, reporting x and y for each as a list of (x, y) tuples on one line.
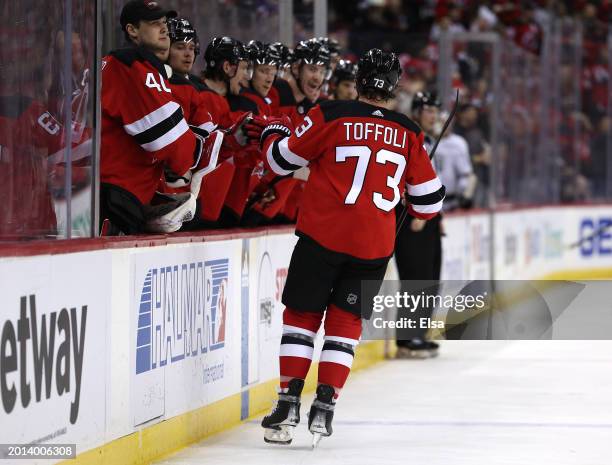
[(53, 348)]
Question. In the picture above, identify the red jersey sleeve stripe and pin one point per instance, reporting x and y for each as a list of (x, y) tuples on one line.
[(167, 138), (426, 209), (281, 159), (287, 154), (152, 119), (424, 188)]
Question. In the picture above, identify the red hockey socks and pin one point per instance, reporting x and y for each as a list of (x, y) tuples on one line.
[(342, 333), (297, 344)]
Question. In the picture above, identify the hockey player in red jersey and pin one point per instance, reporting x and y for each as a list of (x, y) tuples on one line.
[(184, 49), (281, 89), (247, 158), (310, 69), (224, 56), (143, 128), (362, 157), (265, 61)]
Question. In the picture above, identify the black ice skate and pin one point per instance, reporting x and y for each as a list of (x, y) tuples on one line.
[(418, 348), (284, 418), (321, 414)]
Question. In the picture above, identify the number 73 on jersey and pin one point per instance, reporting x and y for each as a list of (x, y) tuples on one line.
[(382, 156)]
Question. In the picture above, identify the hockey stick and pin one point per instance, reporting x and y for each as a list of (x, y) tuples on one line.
[(433, 152), (597, 233)]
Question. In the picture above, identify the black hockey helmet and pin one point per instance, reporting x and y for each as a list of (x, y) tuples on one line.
[(345, 70), (285, 53), (332, 45), (262, 54), (222, 49), (378, 70), (181, 30), (312, 52), (424, 99)]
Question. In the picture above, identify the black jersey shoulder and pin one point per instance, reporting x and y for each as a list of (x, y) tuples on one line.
[(178, 80), (285, 94), (335, 109), (249, 91), (12, 107), (129, 56), (242, 103), (197, 82)]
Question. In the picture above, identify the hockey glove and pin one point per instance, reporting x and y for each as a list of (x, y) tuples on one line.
[(276, 126), (255, 127), (235, 135)]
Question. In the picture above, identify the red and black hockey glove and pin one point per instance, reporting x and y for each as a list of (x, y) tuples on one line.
[(255, 127), (276, 126)]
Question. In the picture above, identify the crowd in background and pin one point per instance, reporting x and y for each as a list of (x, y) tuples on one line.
[(580, 111)]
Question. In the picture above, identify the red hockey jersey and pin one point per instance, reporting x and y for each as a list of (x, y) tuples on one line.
[(362, 159), (264, 104), (143, 126), (28, 135), (192, 102)]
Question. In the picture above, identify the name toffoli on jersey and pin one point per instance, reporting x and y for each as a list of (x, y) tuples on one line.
[(380, 132)]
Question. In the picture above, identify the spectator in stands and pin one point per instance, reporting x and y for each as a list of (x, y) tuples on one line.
[(599, 169), (448, 21)]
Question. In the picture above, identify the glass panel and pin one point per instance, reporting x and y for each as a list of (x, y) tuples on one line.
[(242, 19), (37, 86)]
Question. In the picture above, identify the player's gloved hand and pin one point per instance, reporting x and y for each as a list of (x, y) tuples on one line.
[(235, 135), (276, 126), (255, 127)]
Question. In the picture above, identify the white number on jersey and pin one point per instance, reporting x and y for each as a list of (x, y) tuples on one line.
[(151, 83), (49, 123), (299, 131), (383, 156)]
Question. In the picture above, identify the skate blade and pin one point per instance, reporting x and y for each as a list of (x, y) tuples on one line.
[(417, 355), (316, 438), (282, 436)]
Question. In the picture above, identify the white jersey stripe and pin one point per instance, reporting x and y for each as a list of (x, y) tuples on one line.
[(150, 120), (424, 188), (287, 154), (337, 356), (296, 350), (169, 137), (272, 162), (434, 208)]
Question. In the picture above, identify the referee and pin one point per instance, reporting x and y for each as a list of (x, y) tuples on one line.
[(418, 244)]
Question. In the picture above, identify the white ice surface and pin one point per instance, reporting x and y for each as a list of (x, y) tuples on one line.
[(479, 403)]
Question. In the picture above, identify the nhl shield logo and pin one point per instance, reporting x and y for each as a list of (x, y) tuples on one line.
[(351, 299)]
